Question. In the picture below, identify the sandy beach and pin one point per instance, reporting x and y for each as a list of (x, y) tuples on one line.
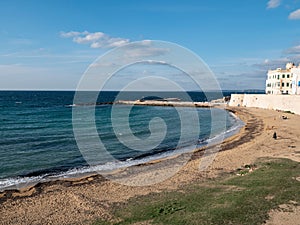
[(81, 201)]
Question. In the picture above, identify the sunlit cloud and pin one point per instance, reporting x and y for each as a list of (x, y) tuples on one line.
[(273, 4), (295, 15), (95, 40)]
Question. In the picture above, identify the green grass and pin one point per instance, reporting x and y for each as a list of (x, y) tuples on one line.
[(229, 200)]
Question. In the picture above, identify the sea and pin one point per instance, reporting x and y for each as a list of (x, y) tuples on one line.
[(37, 141)]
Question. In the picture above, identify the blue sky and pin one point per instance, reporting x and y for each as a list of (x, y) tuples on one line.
[(49, 44)]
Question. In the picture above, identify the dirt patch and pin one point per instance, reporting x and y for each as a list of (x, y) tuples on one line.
[(287, 214)]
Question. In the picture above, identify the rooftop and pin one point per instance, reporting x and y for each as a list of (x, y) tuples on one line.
[(287, 69)]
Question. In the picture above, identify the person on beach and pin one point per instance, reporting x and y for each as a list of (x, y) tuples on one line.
[(275, 135)]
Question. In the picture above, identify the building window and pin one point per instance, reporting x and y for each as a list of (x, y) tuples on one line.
[(282, 84), (278, 77), (287, 84), (287, 76), (283, 75)]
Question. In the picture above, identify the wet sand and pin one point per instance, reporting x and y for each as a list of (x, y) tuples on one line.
[(80, 201)]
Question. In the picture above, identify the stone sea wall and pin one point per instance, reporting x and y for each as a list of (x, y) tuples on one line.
[(276, 102)]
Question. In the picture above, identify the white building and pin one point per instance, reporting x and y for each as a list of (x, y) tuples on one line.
[(296, 80), (283, 81)]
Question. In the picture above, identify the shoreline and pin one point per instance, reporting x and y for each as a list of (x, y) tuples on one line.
[(37, 187), (90, 198), (34, 188), (78, 173)]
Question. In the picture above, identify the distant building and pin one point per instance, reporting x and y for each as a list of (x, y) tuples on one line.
[(284, 81), (296, 80)]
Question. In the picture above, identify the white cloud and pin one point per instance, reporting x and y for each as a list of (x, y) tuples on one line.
[(272, 63), (273, 4), (145, 48), (157, 62), (293, 50), (70, 34), (295, 15), (95, 40), (109, 43), (145, 52), (289, 55), (88, 38)]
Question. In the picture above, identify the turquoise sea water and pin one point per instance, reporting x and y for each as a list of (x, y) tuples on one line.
[(37, 139)]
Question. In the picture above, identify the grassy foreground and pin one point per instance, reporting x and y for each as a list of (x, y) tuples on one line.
[(229, 200)]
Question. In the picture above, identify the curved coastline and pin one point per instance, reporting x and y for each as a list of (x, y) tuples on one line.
[(19, 184), (86, 199), (79, 175)]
